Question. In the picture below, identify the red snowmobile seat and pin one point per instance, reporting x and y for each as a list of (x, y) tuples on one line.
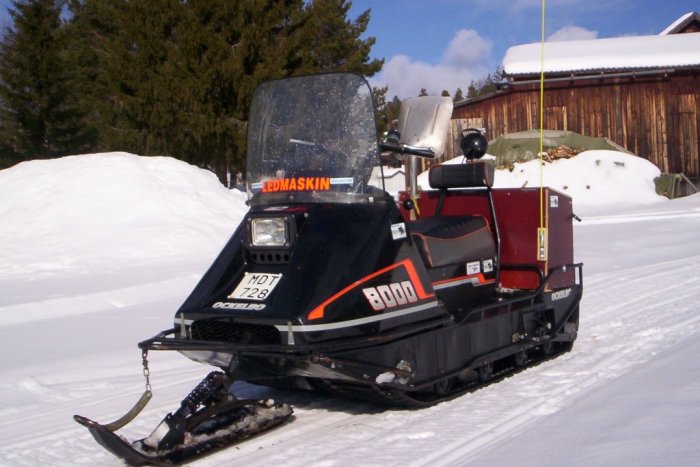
[(447, 240), (444, 240)]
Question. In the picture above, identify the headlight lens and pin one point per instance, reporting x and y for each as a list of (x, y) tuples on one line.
[(269, 232)]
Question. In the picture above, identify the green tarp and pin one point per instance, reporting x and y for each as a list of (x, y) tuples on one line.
[(525, 145)]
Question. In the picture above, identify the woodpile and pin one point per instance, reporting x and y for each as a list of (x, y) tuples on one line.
[(561, 152)]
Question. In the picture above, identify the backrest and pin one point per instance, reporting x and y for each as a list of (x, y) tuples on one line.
[(468, 175)]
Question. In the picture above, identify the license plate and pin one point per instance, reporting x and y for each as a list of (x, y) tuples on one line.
[(255, 286)]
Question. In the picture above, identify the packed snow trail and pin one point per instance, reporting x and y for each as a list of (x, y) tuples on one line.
[(616, 337), (628, 315), (646, 417)]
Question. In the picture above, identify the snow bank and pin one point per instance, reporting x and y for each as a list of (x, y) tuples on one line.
[(140, 219), (596, 180), (100, 212), (80, 214), (93, 212), (394, 179), (592, 178)]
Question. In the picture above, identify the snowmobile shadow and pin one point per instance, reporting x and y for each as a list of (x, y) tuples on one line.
[(308, 400)]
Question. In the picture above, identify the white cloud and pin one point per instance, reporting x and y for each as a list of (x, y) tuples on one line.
[(467, 48), (572, 33), (465, 59)]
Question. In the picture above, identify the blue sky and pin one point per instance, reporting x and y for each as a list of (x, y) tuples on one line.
[(445, 44)]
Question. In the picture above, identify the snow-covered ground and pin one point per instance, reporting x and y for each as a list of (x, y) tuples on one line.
[(98, 252)]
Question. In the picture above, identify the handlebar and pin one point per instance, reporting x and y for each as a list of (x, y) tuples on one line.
[(406, 149)]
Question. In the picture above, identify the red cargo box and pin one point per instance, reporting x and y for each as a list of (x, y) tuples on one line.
[(518, 216)]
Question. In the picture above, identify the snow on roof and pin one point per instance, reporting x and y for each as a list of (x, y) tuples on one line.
[(680, 23), (620, 53)]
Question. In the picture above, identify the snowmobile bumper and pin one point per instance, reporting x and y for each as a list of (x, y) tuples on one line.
[(362, 360)]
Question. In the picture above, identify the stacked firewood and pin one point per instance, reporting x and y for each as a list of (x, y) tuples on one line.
[(562, 152)]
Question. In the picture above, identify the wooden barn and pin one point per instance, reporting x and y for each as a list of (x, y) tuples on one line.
[(641, 92)]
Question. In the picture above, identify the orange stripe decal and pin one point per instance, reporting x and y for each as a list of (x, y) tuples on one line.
[(415, 280), (319, 311)]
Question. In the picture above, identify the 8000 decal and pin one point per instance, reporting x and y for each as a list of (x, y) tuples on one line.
[(391, 295)]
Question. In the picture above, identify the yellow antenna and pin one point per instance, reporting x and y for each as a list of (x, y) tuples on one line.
[(542, 230)]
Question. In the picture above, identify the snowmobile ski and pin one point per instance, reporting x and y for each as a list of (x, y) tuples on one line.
[(209, 419)]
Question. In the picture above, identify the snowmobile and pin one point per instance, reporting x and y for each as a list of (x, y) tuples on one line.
[(330, 283)]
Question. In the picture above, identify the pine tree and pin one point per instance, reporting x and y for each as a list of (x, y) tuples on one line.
[(485, 86), (422, 92), (176, 78), (499, 74), (379, 97), (91, 24), (391, 111), (458, 95), (472, 90), (445, 93), (131, 46), (387, 111), (488, 86), (39, 116), (329, 41)]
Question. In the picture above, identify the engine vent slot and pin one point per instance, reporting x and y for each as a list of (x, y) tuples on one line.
[(269, 257), (239, 333)]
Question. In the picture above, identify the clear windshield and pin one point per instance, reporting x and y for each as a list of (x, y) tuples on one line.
[(312, 139)]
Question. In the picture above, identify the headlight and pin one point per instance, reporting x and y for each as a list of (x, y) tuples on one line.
[(270, 231)]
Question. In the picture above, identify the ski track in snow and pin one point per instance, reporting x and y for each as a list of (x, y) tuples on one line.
[(624, 322), (607, 347), (98, 301)]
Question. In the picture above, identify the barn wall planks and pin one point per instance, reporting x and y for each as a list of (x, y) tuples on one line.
[(655, 118)]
